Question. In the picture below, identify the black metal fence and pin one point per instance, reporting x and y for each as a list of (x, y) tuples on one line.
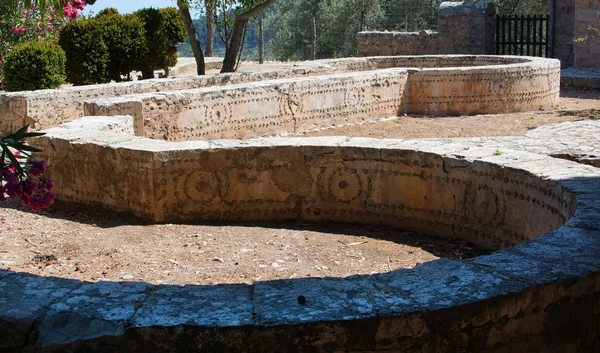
[(522, 35)]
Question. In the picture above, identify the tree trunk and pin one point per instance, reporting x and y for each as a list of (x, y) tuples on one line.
[(261, 39), (210, 27), (313, 52), (184, 11), (231, 54), (237, 35)]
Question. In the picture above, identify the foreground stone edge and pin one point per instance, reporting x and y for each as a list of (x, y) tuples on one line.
[(495, 302)]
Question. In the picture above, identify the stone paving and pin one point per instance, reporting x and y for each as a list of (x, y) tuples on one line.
[(585, 77), (539, 295)]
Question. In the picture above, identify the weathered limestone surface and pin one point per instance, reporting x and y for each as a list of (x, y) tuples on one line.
[(542, 294), (50, 108), (463, 28), (210, 180), (586, 77), (576, 141), (465, 91), (259, 109), (443, 85)]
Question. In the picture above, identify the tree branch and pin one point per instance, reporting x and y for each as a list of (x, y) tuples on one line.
[(255, 10)]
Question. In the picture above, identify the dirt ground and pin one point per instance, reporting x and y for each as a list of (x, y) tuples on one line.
[(574, 105), (92, 244)]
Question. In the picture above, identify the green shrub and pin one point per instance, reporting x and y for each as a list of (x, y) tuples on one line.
[(34, 65), (103, 48), (108, 11), (86, 51), (125, 38), (164, 30)]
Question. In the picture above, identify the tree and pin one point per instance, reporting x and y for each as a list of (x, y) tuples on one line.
[(184, 11), (247, 10), (231, 20), (337, 23), (164, 30)]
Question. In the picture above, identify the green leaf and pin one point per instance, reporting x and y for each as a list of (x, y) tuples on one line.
[(19, 133), (33, 134), (28, 148)]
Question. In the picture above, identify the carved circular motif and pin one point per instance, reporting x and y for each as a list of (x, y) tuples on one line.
[(354, 97), (487, 206), (201, 186), (345, 185), (220, 112)]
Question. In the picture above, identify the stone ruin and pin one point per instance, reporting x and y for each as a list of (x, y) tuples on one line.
[(171, 158)]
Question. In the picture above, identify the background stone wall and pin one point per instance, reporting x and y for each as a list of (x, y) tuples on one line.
[(49, 108), (587, 26), (577, 20), (563, 30), (463, 28)]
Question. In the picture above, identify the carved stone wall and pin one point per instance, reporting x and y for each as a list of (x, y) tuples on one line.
[(540, 295), (262, 109), (185, 181), (463, 28), (49, 108), (295, 105)]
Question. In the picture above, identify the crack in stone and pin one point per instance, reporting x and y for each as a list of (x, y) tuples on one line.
[(149, 291), (495, 271), (253, 301)]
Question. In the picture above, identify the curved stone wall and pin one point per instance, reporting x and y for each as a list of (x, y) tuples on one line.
[(320, 179), (503, 86), (542, 295), (428, 85)]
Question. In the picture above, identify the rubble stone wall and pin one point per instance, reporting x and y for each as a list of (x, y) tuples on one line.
[(463, 28), (587, 27), (576, 32)]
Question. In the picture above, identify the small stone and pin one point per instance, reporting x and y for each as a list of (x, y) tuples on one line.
[(127, 277)]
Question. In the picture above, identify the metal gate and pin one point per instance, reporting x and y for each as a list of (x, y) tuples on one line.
[(522, 35)]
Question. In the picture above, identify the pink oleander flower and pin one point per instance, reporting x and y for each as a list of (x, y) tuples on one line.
[(19, 30), (37, 168), (68, 10), (50, 28), (33, 190), (74, 14), (2, 22), (79, 4)]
